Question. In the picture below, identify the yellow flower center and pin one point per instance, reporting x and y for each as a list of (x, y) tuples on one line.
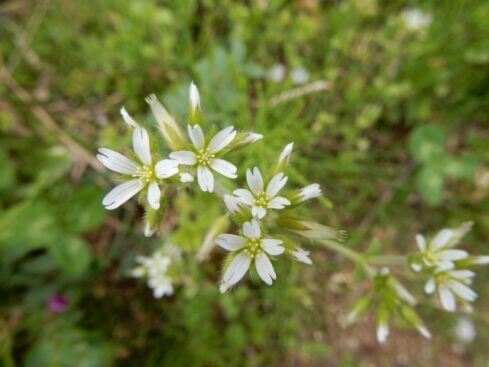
[(262, 199), (253, 247), (145, 174), (204, 157)]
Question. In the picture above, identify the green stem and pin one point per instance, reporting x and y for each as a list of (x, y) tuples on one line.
[(353, 255), (396, 260)]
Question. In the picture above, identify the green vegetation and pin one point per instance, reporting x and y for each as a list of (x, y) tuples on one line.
[(388, 115)]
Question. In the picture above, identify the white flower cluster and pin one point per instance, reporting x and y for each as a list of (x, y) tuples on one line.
[(448, 267), (255, 203), (200, 157), (156, 270)]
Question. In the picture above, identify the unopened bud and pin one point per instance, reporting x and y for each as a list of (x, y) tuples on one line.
[(195, 112), (167, 124)]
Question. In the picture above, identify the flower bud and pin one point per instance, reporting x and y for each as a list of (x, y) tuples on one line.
[(194, 112), (283, 159), (360, 309), (311, 230), (306, 193), (167, 124), (243, 139)]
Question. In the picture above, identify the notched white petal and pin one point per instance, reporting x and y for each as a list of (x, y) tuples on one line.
[(166, 168), (121, 193), (184, 157), (154, 195), (222, 139), (197, 136), (224, 168), (116, 161), (255, 180), (140, 143)]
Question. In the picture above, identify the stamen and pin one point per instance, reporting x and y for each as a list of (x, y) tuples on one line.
[(204, 157), (253, 247), (262, 199), (145, 174)]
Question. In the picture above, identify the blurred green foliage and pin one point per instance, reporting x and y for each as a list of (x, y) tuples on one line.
[(396, 98)]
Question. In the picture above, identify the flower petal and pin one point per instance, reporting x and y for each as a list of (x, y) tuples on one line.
[(184, 157), (264, 268), (462, 274), (116, 161), (254, 179), (205, 179), (278, 202), (245, 196), (236, 270), (441, 239), (430, 286), (230, 242), (154, 195), (302, 256), (462, 291), (166, 168), (222, 139), (252, 229), (121, 193), (258, 211), (128, 119), (452, 255), (197, 136), (272, 246), (186, 177), (421, 241), (276, 184), (140, 145), (447, 299), (224, 168)]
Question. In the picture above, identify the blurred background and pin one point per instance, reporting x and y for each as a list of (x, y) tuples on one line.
[(388, 106)]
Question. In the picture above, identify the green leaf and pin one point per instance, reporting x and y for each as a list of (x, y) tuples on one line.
[(427, 143), (83, 210), (463, 167), (70, 347), (72, 254), (430, 185)]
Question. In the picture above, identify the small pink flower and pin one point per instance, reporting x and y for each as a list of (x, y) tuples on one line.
[(57, 303)]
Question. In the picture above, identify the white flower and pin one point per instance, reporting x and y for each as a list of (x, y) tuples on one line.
[(465, 330), (145, 172), (309, 192), (284, 158), (250, 248), (277, 73), (382, 332), (204, 156), (261, 200), (302, 255), (415, 19), (155, 270), (194, 96), (452, 285), (299, 75), (438, 252)]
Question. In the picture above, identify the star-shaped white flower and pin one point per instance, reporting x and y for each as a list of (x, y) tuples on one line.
[(261, 200), (438, 252), (204, 156), (144, 173), (249, 248), (452, 285)]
